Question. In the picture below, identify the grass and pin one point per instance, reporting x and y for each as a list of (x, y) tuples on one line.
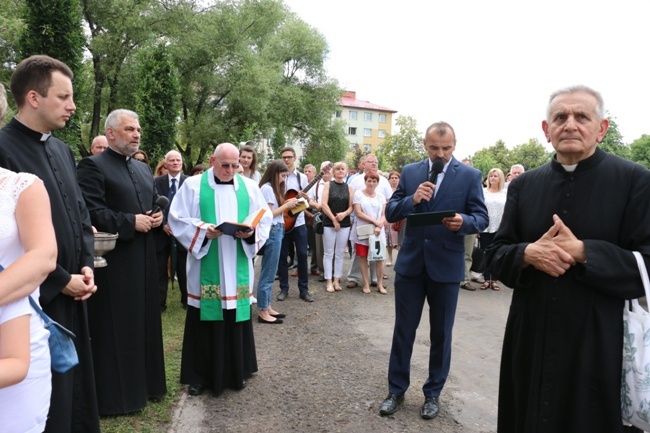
[(157, 415)]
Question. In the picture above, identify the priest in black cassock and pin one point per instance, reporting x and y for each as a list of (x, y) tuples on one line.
[(26, 144), (125, 322), (565, 246)]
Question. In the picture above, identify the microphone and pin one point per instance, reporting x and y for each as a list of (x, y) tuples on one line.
[(436, 168), (161, 203)]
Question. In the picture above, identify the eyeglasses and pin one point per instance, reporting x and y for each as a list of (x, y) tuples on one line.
[(226, 166), (287, 157)]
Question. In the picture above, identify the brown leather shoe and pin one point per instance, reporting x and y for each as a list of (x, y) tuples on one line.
[(294, 273), (315, 272)]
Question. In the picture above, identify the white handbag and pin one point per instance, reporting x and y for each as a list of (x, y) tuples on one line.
[(364, 231), (635, 383)]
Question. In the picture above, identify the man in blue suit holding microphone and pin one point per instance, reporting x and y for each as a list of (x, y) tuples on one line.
[(431, 262)]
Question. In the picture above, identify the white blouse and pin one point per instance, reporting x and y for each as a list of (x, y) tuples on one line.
[(495, 203)]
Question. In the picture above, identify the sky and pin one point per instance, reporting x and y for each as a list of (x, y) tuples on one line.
[(487, 67)]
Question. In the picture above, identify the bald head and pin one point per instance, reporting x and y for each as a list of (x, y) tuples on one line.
[(99, 144)]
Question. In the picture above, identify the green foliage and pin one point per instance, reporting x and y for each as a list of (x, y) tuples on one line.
[(330, 146), (54, 28), (157, 100), (11, 27), (613, 141), (640, 150), (530, 155), (402, 148)]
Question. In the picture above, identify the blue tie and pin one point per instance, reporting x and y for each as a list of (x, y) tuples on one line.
[(172, 190)]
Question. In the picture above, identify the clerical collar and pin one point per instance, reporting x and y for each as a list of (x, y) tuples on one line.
[(44, 137), (220, 182)]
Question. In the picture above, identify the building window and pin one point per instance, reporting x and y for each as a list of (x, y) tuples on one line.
[(353, 115), (381, 133), (367, 116), (382, 118), (367, 132), (366, 148), (352, 130), (338, 114)]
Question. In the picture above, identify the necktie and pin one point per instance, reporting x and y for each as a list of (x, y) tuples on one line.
[(172, 190)]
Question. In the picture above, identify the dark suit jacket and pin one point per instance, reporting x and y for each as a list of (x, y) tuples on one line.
[(162, 188), (435, 248)]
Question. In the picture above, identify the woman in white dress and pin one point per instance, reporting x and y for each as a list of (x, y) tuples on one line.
[(369, 206), (27, 256)]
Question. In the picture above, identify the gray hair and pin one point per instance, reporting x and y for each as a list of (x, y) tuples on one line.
[(517, 166), (113, 119), (600, 103)]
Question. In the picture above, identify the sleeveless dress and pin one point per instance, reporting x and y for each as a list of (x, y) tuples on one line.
[(23, 406)]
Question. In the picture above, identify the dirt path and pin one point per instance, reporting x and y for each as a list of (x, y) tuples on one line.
[(324, 369)]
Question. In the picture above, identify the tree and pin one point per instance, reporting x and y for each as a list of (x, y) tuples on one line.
[(11, 27), (495, 156), (54, 28), (402, 148), (640, 150), (613, 141), (531, 155), (157, 100)]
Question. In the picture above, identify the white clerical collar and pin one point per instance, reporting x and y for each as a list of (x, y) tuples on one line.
[(570, 168), (44, 137)]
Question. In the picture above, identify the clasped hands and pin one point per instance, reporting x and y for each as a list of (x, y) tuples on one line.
[(556, 251), (81, 286), (144, 223)]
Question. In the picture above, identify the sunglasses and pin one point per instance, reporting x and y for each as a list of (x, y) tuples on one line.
[(226, 166)]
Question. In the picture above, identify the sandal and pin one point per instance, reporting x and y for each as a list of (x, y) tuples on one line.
[(352, 284), (330, 289), (485, 286), (495, 287)]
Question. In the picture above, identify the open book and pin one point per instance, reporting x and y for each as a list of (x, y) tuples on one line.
[(247, 225)]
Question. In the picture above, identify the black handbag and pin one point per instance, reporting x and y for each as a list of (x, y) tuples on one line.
[(319, 228), (478, 260)]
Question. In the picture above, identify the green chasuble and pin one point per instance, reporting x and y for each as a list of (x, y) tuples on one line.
[(211, 306)]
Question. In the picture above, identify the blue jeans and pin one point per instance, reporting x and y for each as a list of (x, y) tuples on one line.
[(299, 237), (270, 259)]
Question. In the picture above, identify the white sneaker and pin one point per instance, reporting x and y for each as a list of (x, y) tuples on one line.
[(253, 300)]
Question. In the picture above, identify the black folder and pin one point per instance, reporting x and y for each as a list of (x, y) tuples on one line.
[(428, 218)]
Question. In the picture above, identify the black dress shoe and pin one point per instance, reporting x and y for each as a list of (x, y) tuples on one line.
[(282, 296), (430, 408), (274, 322), (391, 404), (321, 279), (195, 389), (306, 296), (279, 315)]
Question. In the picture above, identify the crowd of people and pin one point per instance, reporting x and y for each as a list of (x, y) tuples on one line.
[(570, 273)]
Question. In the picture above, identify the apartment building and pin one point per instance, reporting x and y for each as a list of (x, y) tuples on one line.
[(367, 123)]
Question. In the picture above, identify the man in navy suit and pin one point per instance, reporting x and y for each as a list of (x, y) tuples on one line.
[(167, 185), (431, 261)]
